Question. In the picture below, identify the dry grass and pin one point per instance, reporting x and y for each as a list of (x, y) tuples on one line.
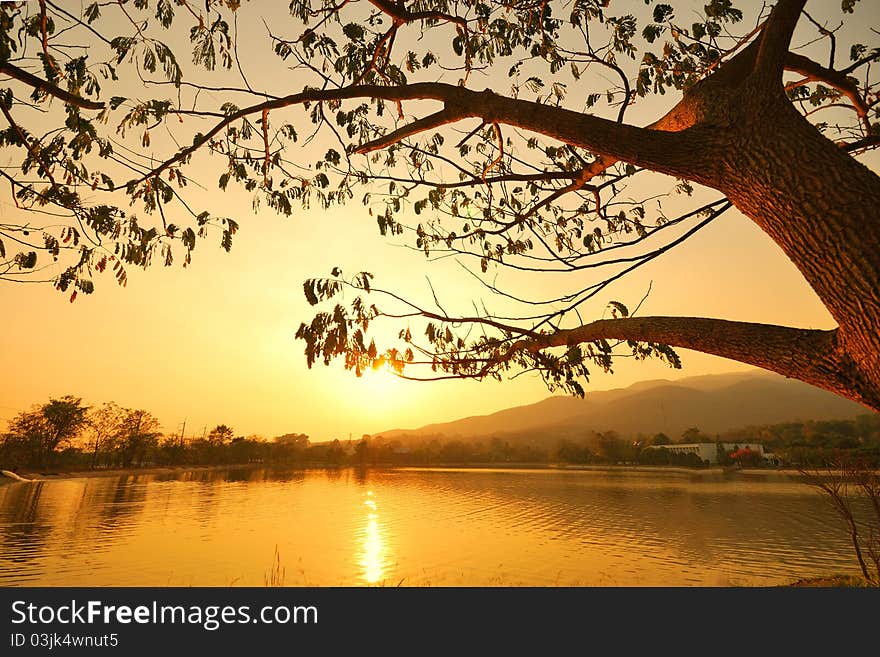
[(832, 581), (275, 577)]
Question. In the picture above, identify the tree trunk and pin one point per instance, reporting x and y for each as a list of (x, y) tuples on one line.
[(821, 207)]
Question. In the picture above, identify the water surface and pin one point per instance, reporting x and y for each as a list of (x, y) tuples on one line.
[(419, 527)]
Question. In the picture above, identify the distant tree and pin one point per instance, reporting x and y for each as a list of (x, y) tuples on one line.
[(868, 428), (298, 440), (746, 457), (499, 450), (722, 455), (362, 452), (654, 456), (456, 451), (661, 439), (611, 447), (26, 438), (569, 451), (138, 434), (46, 427), (221, 435), (335, 452), (246, 450), (172, 450), (694, 435), (65, 418), (103, 426)]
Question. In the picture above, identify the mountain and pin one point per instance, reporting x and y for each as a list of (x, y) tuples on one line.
[(712, 403)]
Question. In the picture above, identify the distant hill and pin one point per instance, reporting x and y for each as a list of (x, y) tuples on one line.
[(712, 403)]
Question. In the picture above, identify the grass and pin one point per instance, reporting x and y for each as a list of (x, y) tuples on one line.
[(275, 576), (832, 581)]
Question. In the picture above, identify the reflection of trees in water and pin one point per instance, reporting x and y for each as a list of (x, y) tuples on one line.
[(233, 474), (239, 475), (296, 476), (335, 474), (361, 475), (120, 502), (647, 525), (51, 519), (106, 509), (23, 534)]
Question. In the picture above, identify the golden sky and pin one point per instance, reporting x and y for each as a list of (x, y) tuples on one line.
[(214, 343)]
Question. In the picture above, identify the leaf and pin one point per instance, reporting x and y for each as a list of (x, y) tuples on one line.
[(618, 309), (353, 31), (26, 260), (309, 291), (92, 12), (662, 13), (226, 240)]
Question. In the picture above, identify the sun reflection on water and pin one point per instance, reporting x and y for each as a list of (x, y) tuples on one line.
[(373, 554)]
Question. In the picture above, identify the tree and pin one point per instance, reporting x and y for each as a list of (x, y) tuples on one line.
[(745, 457), (610, 446), (220, 435), (843, 482), (103, 428), (47, 427), (536, 179), (138, 433), (694, 435), (26, 437), (661, 439), (297, 440)]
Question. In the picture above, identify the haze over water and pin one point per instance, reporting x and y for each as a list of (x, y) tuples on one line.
[(419, 527)]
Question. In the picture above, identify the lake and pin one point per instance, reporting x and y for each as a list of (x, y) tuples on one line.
[(418, 527)]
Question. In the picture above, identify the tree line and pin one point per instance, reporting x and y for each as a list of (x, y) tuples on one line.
[(64, 433), (807, 443)]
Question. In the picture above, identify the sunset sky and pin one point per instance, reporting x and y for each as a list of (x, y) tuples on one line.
[(213, 343)]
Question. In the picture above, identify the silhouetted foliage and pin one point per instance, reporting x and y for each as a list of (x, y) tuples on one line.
[(40, 432), (383, 104)]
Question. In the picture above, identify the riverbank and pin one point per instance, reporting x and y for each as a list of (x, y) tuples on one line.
[(705, 472), (832, 581), (36, 475)]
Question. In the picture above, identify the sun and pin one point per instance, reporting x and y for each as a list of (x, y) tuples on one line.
[(381, 382)]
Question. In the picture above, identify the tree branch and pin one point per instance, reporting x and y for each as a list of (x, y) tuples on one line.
[(400, 14), (866, 143), (33, 81), (435, 120), (33, 148), (662, 151), (775, 39), (805, 354), (815, 72)]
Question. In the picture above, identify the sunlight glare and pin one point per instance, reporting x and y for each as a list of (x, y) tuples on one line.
[(372, 558)]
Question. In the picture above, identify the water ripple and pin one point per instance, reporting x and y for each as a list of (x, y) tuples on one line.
[(439, 527)]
